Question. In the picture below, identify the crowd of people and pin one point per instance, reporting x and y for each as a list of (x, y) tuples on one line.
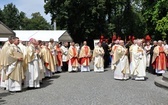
[(26, 65), (134, 60)]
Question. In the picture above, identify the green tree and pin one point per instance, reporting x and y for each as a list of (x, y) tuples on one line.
[(37, 22), (155, 13), (162, 26), (11, 16), (85, 18), (92, 18), (133, 22), (1, 15), (17, 20)]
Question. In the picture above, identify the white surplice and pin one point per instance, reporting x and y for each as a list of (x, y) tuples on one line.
[(138, 63), (121, 70), (13, 85), (33, 74), (85, 68), (3, 83), (98, 59)]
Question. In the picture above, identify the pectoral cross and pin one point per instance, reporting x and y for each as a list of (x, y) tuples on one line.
[(140, 49)]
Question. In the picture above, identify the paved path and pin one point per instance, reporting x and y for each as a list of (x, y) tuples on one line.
[(89, 89)]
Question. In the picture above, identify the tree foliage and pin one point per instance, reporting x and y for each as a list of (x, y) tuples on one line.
[(88, 19), (17, 20), (11, 16), (155, 14), (37, 22), (92, 18)]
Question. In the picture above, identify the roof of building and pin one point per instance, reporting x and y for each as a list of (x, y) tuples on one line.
[(65, 37), (5, 31)]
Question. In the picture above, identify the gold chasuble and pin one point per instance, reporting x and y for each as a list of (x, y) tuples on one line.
[(117, 55), (53, 52), (4, 59), (13, 54), (47, 58), (24, 48), (31, 53)]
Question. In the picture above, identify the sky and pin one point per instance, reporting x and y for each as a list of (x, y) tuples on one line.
[(28, 6)]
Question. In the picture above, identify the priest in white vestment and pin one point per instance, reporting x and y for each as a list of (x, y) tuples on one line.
[(98, 54), (130, 52), (14, 72), (121, 63), (32, 74), (4, 62), (113, 49), (138, 62)]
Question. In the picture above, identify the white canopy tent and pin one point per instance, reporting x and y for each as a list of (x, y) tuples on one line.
[(3, 39), (44, 35)]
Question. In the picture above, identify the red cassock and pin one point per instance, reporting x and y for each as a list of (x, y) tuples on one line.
[(161, 60)]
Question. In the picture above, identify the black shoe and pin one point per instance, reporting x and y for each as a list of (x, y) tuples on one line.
[(58, 72), (12, 91), (159, 74)]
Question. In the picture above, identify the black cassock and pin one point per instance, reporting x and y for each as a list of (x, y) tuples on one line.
[(106, 55), (151, 70)]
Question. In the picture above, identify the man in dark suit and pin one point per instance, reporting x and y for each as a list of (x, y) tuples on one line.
[(151, 70), (106, 55)]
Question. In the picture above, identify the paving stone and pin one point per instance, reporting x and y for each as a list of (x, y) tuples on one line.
[(89, 88)]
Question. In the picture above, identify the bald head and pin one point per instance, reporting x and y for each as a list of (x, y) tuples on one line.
[(72, 43), (154, 42), (160, 43), (84, 43), (33, 41), (135, 41), (65, 44), (51, 40), (10, 39), (139, 42)]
